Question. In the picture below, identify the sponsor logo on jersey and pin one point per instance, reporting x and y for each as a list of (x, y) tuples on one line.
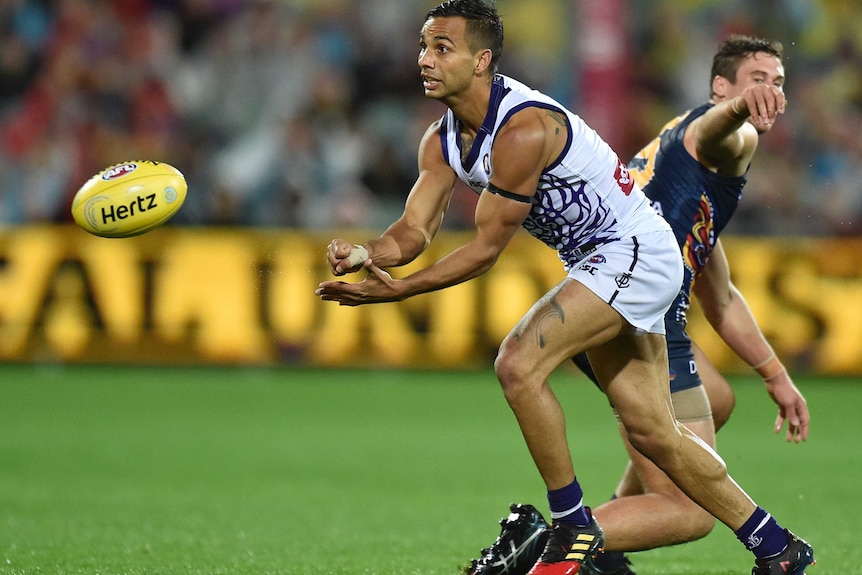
[(623, 178)]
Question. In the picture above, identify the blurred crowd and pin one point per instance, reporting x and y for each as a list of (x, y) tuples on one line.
[(308, 113)]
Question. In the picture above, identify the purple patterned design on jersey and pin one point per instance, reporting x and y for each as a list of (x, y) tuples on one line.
[(568, 219)]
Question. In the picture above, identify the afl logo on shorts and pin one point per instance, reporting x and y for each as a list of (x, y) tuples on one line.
[(486, 163), (623, 281), (597, 259)]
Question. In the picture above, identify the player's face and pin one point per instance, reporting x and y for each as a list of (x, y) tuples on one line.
[(759, 68), (445, 61)]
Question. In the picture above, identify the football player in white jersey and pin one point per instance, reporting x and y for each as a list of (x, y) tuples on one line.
[(539, 166)]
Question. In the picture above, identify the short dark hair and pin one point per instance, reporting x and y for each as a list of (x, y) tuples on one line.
[(484, 25), (737, 48)]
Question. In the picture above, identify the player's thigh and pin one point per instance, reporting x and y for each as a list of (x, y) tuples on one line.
[(567, 320), (721, 397)]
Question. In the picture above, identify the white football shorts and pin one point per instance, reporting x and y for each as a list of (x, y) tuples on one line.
[(638, 276)]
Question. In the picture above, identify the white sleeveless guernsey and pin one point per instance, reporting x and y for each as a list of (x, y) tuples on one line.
[(585, 199)]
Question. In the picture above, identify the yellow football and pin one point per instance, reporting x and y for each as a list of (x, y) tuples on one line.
[(130, 198)]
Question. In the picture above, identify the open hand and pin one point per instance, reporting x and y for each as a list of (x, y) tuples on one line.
[(792, 407), (378, 287)]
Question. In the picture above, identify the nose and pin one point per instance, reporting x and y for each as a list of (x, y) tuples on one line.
[(424, 60)]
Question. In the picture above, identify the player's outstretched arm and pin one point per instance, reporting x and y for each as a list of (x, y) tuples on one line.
[(728, 313), (423, 214), (725, 138), (520, 153)]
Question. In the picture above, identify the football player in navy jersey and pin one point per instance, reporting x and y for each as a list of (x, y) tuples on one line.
[(694, 173), (537, 165)]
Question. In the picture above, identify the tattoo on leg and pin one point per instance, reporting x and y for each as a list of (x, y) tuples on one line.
[(555, 311)]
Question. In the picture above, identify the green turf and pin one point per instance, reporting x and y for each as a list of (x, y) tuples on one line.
[(128, 470)]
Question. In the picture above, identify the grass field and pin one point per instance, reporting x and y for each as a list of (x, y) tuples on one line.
[(129, 470)]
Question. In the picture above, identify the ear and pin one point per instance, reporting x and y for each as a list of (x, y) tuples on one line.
[(719, 87), (483, 62)]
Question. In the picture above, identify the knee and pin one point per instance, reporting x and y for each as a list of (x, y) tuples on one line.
[(512, 372), (722, 407), (695, 523), (686, 520), (655, 442), (701, 525), (689, 520), (669, 446)]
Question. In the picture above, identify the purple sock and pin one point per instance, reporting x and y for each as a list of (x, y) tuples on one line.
[(567, 505), (762, 535)]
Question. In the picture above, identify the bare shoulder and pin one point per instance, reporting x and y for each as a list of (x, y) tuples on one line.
[(430, 147), (433, 129), (538, 132), (530, 141), (534, 127)]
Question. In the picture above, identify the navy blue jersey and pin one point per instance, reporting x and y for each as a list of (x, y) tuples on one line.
[(698, 204)]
